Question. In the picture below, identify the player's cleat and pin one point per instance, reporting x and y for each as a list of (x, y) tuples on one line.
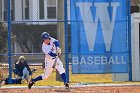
[(66, 85), (30, 84)]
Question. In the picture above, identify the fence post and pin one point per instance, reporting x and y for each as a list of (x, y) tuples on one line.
[(60, 33), (66, 40), (9, 40), (0, 10), (129, 40)]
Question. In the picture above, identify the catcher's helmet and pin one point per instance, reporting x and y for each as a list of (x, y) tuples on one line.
[(45, 35)]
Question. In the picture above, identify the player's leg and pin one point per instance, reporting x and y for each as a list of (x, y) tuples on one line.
[(46, 74), (47, 71), (61, 70), (26, 75)]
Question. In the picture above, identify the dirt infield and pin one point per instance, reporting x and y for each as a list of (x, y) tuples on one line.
[(87, 89)]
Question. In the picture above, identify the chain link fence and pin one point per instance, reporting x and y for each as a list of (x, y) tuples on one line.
[(29, 18)]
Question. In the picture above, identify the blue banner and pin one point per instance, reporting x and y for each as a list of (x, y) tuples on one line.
[(99, 36)]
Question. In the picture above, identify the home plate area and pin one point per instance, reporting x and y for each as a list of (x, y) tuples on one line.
[(95, 88)]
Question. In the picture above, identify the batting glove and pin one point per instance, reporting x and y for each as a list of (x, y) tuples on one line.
[(58, 50)]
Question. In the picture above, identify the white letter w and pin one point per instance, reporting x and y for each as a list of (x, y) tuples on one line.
[(102, 14)]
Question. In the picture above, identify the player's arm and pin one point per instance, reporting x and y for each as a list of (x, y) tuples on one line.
[(56, 43), (28, 68), (58, 49)]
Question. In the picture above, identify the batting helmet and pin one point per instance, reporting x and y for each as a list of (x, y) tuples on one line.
[(45, 35)]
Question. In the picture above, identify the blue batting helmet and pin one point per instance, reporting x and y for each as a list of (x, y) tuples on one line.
[(45, 35)]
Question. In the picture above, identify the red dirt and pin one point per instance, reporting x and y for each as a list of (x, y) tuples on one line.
[(92, 89)]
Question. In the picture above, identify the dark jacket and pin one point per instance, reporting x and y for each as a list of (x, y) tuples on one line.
[(20, 66)]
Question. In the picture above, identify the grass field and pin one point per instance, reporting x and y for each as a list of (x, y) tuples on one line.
[(75, 78)]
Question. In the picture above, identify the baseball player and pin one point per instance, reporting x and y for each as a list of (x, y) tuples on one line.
[(52, 49)]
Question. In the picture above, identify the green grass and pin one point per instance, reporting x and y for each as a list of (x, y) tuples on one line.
[(76, 78)]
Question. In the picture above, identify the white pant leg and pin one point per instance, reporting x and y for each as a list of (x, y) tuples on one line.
[(59, 66), (48, 67), (47, 73)]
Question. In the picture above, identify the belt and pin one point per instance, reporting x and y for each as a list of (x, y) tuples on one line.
[(53, 57)]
